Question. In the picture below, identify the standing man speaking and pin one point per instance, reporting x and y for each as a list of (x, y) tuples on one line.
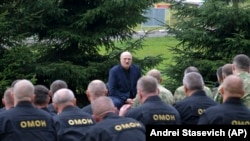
[(122, 80)]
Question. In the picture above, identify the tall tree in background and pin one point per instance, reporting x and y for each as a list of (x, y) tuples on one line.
[(210, 36), (73, 40)]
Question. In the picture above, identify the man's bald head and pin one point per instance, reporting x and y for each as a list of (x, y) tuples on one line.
[(63, 95), (156, 74), (62, 98), (102, 105), (8, 100), (23, 91), (96, 88), (233, 86)]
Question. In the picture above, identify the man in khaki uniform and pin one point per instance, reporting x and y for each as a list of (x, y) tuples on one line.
[(165, 94), (241, 66), (179, 93)]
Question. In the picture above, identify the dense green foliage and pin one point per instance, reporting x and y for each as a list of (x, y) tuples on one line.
[(210, 36), (65, 37)]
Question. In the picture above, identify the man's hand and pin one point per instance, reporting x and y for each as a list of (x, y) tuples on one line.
[(124, 109), (130, 101)]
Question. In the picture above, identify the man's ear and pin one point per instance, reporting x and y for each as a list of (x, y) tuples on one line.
[(185, 89), (74, 101), (55, 106), (106, 93), (233, 67), (222, 91), (33, 98), (87, 94), (3, 101), (50, 94), (48, 99), (158, 91)]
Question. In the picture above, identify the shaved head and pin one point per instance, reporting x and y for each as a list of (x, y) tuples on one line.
[(97, 88), (155, 73), (233, 85), (23, 90), (102, 105), (227, 69), (63, 95)]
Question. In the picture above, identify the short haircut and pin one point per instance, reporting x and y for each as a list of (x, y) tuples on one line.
[(219, 72), (23, 89), (242, 62), (97, 88), (147, 84), (193, 81), (102, 105), (155, 73), (57, 84), (227, 69), (191, 69), (7, 96), (63, 95), (41, 95)]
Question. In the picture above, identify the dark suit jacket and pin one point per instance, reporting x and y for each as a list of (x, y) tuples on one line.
[(119, 86)]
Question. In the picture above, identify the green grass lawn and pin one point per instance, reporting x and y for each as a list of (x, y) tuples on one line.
[(158, 46)]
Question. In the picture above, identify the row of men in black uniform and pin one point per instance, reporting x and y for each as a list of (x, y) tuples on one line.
[(102, 121)]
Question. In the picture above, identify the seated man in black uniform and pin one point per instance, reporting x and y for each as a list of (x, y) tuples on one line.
[(55, 85), (24, 122), (152, 110), (232, 111), (196, 100), (110, 126), (71, 122), (42, 98), (96, 88)]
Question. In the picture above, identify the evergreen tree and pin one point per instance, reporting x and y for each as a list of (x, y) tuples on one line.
[(210, 36), (73, 40)]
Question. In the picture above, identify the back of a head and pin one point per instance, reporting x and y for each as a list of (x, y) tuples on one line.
[(23, 90), (102, 105), (155, 73), (191, 69), (97, 88), (241, 62), (193, 81), (41, 95), (62, 96), (57, 84), (8, 100), (227, 70), (234, 86), (147, 85)]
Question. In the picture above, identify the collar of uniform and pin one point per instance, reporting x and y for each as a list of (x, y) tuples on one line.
[(233, 100), (110, 115), (24, 103), (153, 98), (68, 108), (199, 93)]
